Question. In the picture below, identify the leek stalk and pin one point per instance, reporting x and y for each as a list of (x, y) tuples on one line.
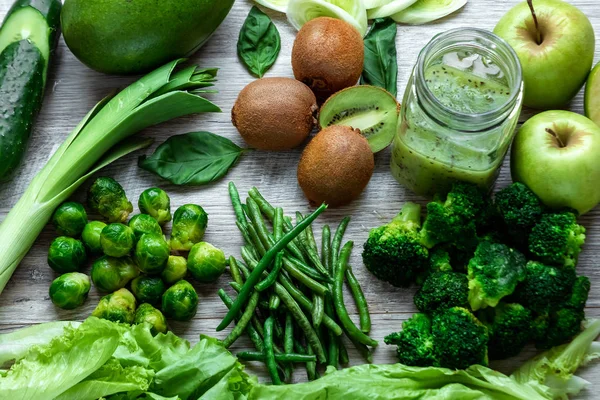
[(97, 141)]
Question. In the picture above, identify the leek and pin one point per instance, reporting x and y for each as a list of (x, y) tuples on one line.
[(161, 95), (389, 9), (425, 11)]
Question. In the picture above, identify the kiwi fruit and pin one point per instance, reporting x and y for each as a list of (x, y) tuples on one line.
[(275, 113), (372, 110), (336, 166), (328, 56)]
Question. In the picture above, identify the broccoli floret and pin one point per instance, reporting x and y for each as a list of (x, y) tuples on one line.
[(539, 327), (545, 287), (579, 294), (509, 327), (454, 220), (439, 260), (415, 342), (494, 273), (557, 239), (460, 339), (520, 209), (443, 290), (393, 252)]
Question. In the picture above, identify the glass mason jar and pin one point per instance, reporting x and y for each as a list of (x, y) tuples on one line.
[(459, 112)]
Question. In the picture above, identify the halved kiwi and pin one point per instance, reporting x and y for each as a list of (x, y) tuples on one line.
[(370, 109)]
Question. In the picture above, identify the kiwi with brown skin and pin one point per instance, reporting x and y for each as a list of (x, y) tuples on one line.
[(275, 113), (328, 56), (336, 166)]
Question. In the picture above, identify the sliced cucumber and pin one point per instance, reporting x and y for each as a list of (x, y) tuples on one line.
[(370, 109), (424, 11), (390, 9), (592, 95), (352, 11)]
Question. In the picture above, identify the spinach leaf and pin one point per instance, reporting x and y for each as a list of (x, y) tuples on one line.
[(195, 158), (381, 65), (259, 42)]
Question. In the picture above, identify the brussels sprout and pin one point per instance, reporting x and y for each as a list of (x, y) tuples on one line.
[(156, 203), (206, 263), (189, 225), (107, 198), (91, 236), (117, 307), (152, 253), (143, 223), (66, 255), (70, 219), (148, 289), (180, 301), (148, 314), (110, 273), (117, 240), (70, 290), (175, 270)]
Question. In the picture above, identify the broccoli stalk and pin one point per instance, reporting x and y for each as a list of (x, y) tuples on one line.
[(557, 239), (393, 252)]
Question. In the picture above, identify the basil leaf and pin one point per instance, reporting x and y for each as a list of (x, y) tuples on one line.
[(381, 65), (195, 158), (259, 42)]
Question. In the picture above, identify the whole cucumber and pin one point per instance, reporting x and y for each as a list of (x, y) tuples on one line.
[(28, 37)]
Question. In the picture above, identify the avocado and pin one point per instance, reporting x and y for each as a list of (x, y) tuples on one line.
[(135, 36)]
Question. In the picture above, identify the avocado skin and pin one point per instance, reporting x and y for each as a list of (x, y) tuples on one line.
[(135, 36)]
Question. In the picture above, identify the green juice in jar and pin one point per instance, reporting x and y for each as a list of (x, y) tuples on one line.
[(459, 113)]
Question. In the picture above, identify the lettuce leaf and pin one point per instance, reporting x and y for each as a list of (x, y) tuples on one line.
[(48, 370)]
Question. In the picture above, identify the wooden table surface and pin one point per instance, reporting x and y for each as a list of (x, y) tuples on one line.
[(73, 89)]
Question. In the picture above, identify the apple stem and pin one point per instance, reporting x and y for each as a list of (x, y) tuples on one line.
[(538, 34), (560, 142)]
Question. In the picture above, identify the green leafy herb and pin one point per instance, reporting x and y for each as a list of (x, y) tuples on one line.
[(195, 158), (381, 66), (259, 42)]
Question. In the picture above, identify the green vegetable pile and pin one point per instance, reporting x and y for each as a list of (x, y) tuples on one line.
[(290, 299), (494, 275), (135, 255)]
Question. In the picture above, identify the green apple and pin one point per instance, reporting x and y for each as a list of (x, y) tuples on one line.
[(556, 49), (592, 95), (557, 154)]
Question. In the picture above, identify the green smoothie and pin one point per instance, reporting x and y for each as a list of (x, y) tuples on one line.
[(428, 156)]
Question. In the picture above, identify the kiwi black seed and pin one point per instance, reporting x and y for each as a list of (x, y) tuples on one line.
[(372, 110), (275, 113), (336, 166), (328, 56)]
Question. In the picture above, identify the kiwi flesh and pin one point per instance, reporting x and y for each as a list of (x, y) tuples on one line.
[(335, 166), (275, 113), (370, 109)]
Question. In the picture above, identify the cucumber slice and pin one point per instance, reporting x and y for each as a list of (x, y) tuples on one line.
[(352, 11), (592, 96), (276, 5), (424, 11), (390, 9), (370, 109)]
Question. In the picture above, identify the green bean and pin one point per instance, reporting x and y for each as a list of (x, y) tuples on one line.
[(258, 222), (307, 305), (338, 300), (237, 204), (235, 270), (244, 269), (256, 241), (274, 302), (292, 262), (305, 279), (240, 327), (334, 351), (253, 334), (277, 328), (244, 231), (269, 352), (326, 248), (318, 310), (303, 322), (310, 366), (337, 242), (311, 251), (255, 322), (344, 359), (360, 300), (288, 342), (310, 235), (273, 275), (279, 357), (278, 224), (248, 257), (364, 351)]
